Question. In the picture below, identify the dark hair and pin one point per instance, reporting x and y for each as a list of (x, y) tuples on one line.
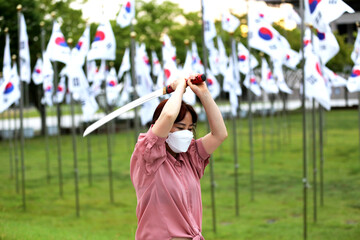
[(183, 110)]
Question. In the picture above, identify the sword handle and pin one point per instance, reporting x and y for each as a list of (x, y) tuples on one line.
[(197, 79)]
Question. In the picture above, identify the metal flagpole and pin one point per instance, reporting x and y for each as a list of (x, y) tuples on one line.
[(304, 142), (263, 129), (74, 146), (89, 156), (76, 170), (23, 186), (321, 112), (109, 150), (250, 119), (16, 131), (11, 145), (48, 175), (212, 180), (313, 117), (58, 116), (233, 118), (133, 78)]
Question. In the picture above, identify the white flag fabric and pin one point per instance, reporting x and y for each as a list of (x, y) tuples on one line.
[(127, 89), (214, 60), (325, 45), (168, 50), (212, 84), (315, 83), (263, 37), (104, 44), (355, 54), (290, 15), (113, 88), (57, 48), (48, 85), (125, 63), (156, 66), (308, 45), (222, 57), (37, 72), (91, 70), (336, 80), (243, 59), (197, 66), (83, 45), (144, 83), (24, 53), (101, 72), (321, 13), (252, 83), (353, 84), (60, 90), (209, 25), (126, 14), (292, 58), (10, 90), (89, 105), (229, 22), (232, 86), (267, 80), (7, 59), (280, 80)]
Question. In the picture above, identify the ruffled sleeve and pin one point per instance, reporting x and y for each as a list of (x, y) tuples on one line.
[(198, 156), (151, 151)]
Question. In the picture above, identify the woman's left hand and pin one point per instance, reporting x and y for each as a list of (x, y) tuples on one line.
[(198, 89)]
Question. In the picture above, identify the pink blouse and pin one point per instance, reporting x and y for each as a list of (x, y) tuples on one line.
[(167, 189)]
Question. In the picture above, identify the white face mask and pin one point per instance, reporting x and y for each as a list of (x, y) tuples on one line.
[(179, 141)]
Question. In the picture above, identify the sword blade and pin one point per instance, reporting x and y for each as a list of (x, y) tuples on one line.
[(122, 110)]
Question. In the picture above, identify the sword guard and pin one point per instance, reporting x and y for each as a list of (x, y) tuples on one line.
[(197, 79)]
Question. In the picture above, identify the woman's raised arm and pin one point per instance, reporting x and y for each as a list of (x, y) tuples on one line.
[(218, 132), (171, 109)]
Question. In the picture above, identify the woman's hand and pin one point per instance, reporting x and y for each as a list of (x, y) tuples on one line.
[(178, 83), (198, 89)]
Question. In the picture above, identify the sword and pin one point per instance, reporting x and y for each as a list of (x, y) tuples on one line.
[(197, 79)]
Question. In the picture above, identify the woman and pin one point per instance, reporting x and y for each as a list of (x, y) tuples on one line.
[(167, 164)]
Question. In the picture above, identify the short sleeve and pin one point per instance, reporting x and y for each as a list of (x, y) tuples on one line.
[(151, 151), (199, 157)]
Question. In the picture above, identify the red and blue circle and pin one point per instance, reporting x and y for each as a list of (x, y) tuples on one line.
[(128, 7), (321, 35), (112, 83), (265, 33), (355, 73), (242, 58), (313, 4), (61, 41), (99, 36), (9, 88)]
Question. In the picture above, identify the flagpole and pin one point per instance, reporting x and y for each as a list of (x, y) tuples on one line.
[(109, 150), (16, 149), (11, 145), (250, 118), (233, 118), (212, 179), (304, 142), (321, 121), (19, 7), (44, 125), (58, 116), (89, 156), (133, 78)]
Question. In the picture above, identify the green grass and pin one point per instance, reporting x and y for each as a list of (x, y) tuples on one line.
[(275, 213)]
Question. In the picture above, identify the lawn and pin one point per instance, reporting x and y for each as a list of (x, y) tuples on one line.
[(274, 213)]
